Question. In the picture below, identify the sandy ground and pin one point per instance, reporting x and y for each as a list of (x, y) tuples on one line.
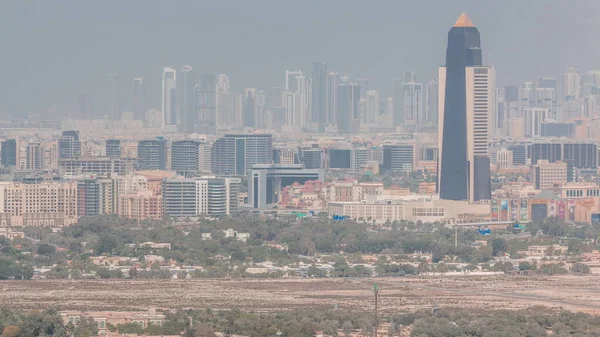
[(577, 293)]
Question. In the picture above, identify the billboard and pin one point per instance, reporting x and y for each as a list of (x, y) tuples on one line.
[(504, 210), (561, 208), (513, 210), (494, 210), (524, 215), (571, 211)]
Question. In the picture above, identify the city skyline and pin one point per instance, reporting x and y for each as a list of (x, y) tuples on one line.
[(379, 63)]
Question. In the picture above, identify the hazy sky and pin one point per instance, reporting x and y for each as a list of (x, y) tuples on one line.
[(53, 50)]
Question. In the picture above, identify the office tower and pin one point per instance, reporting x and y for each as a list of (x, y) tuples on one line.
[(249, 107), (185, 99), (533, 121), (409, 108), (260, 117), (296, 100), (364, 86), (89, 193), (114, 112), (348, 95), (237, 106), (359, 156), (571, 84), (432, 94), (9, 152), (211, 196), (152, 154), (185, 156), (545, 174), (234, 154), (205, 100), (265, 181), (139, 99), (398, 158), (319, 95), (372, 108), (465, 106), (224, 103), (34, 157), (551, 128), (291, 82), (338, 158), (69, 145), (168, 97), (113, 148), (579, 155), (519, 152), (311, 157), (205, 157), (333, 80)]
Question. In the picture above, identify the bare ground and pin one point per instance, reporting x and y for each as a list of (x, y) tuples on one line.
[(577, 293)]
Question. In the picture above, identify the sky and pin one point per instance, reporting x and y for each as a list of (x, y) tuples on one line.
[(54, 50)]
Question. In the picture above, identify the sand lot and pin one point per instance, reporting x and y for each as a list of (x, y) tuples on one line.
[(577, 293)]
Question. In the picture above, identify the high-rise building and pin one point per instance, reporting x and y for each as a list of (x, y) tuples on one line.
[(311, 157), (371, 107), (69, 145), (185, 156), (168, 97), (545, 174), (211, 196), (224, 103), (348, 95), (579, 155), (152, 154), (296, 100), (534, 118), (432, 94), (398, 158), (205, 101), (333, 80), (9, 152), (410, 105), (34, 157), (113, 148), (571, 84), (185, 99), (260, 116), (205, 157), (89, 194), (234, 154), (114, 112), (139, 99), (319, 95), (249, 107), (465, 107)]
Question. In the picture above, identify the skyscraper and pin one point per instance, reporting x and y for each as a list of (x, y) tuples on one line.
[(139, 99), (249, 107), (9, 152), (168, 99), (333, 79), (34, 157), (235, 154), (152, 154), (319, 95), (465, 107), (205, 100), (185, 93), (408, 100), (348, 95), (185, 156), (432, 94), (224, 104)]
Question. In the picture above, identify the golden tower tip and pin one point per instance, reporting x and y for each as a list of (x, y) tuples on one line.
[(463, 21)]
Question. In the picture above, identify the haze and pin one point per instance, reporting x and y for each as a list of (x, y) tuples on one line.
[(53, 51)]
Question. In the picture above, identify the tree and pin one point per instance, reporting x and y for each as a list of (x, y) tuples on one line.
[(11, 331), (107, 243), (526, 266), (580, 268), (47, 323), (46, 249), (499, 246)]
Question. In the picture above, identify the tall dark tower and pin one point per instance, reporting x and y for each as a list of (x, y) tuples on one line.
[(464, 113)]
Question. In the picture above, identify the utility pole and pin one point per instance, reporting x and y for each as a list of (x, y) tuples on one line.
[(376, 291)]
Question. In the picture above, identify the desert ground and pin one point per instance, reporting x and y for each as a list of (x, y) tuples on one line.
[(577, 293)]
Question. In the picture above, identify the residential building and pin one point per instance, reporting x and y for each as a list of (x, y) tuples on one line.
[(545, 174)]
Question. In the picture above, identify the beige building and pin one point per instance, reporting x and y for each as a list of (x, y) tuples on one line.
[(19, 199), (504, 158), (577, 190), (141, 205), (545, 174)]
